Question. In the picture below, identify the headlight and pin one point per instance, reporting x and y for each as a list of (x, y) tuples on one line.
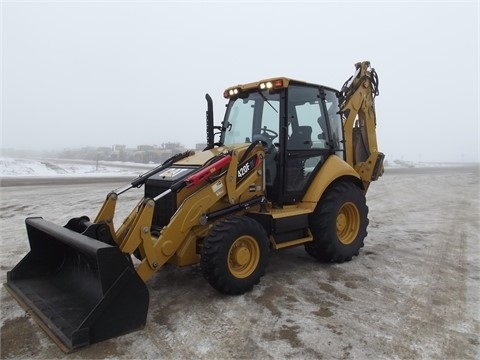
[(267, 85), (231, 92)]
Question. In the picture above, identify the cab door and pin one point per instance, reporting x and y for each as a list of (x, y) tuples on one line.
[(307, 139)]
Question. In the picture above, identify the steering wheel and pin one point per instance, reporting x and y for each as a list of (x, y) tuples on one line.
[(267, 136), (269, 133)]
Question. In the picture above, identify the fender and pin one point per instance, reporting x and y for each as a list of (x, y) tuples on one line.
[(333, 169)]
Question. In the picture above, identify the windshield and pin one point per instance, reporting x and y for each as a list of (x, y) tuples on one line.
[(254, 114)]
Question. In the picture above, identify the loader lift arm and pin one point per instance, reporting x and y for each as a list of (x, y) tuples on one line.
[(357, 107), (157, 251), (134, 235)]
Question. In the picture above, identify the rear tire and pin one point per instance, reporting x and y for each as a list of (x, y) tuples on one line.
[(234, 255), (338, 224)]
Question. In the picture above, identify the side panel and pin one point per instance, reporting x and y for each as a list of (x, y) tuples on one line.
[(332, 169)]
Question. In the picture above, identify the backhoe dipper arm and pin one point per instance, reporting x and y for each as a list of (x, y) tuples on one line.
[(357, 107)]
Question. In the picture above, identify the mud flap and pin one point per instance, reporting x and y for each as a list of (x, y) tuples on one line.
[(80, 290)]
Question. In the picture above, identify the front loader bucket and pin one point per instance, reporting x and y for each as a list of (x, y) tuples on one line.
[(80, 290)]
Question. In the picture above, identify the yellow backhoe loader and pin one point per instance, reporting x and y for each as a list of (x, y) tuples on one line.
[(289, 165)]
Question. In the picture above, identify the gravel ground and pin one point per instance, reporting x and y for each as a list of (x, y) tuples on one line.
[(413, 292)]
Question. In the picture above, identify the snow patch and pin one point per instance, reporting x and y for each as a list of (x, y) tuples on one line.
[(12, 167)]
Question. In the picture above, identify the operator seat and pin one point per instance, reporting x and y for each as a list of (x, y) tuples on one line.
[(301, 138)]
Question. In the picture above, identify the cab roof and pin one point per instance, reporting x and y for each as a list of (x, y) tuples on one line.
[(270, 83)]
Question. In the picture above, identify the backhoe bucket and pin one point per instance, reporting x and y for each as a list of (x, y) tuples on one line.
[(80, 290)]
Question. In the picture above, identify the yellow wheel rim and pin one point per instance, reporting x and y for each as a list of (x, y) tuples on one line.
[(243, 257), (348, 223)]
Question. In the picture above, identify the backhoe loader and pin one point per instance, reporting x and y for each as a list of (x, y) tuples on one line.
[(289, 165)]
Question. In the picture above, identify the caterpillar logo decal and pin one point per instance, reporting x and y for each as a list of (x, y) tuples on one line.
[(247, 167)]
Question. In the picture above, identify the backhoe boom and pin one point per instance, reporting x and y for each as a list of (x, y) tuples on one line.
[(357, 106)]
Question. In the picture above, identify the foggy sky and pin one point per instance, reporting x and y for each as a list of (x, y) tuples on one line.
[(80, 74)]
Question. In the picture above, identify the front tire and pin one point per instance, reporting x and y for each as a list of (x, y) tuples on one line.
[(339, 223), (234, 255)]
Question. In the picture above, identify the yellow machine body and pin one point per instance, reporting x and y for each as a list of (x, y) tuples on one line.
[(291, 167)]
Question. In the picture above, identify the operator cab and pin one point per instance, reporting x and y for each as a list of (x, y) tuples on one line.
[(297, 122)]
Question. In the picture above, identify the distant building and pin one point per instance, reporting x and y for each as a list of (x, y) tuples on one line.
[(119, 147), (118, 152)]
